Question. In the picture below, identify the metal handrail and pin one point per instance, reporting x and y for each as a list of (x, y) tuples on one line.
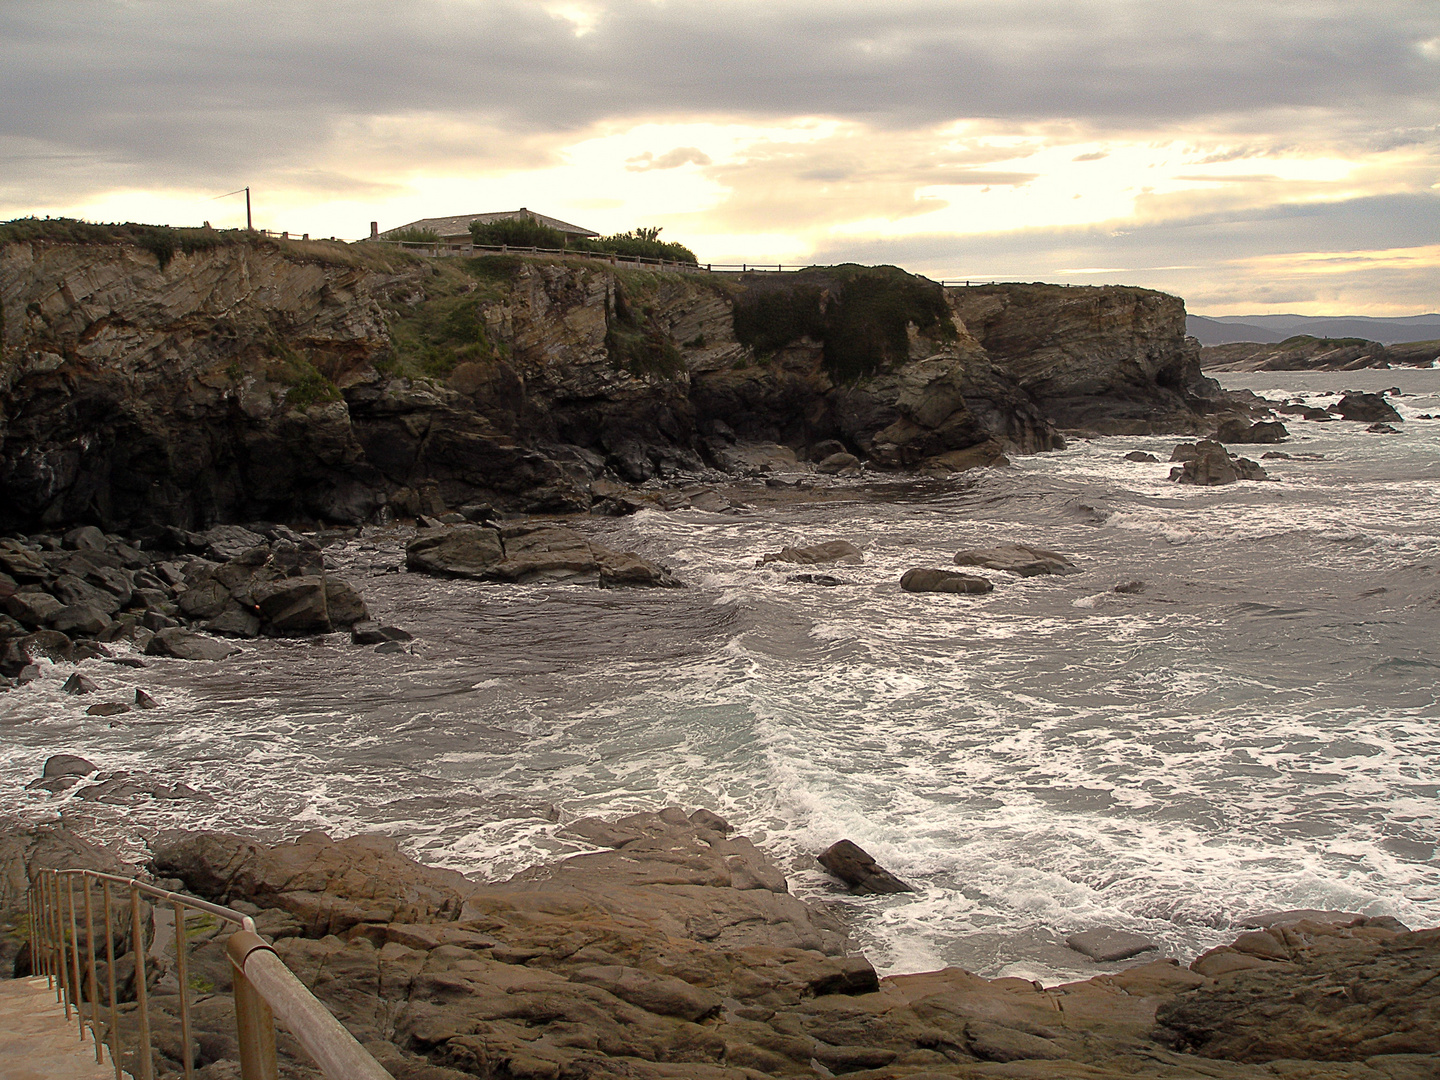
[(264, 987)]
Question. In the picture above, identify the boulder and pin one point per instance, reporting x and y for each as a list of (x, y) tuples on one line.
[(144, 700), (343, 603), (1140, 455), (47, 644), (366, 632), (67, 765), (1367, 409), (83, 620), (85, 538), (529, 551), (988, 453), (107, 708), (1020, 559), (468, 551), (225, 542), (836, 464), (233, 621), (33, 609), (1130, 588), (188, 645), (79, 684), (919, 579), (853, 865), (841, 551), (1213, 465), (293, 606), (1383, 429), (1241, 431)]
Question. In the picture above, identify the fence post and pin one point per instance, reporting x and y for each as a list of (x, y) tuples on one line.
[(145, 1058), (254, 1020)]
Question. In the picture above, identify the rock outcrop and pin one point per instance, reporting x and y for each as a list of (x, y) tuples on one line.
[(525, 552), (1208, 464), (55, 591), (250, 378), (1306, 353), (675, 952), (1110, 359)]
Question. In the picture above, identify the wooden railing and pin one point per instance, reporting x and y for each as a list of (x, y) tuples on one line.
[(264, 988)]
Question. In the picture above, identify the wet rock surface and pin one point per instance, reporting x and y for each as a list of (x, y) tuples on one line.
[(170, 593), (525, 552), (676, 951), (1208, 463), (1022, 560), (853, 865), (924, 579)]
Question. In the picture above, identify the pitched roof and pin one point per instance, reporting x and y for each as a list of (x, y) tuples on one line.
[(459, 225)]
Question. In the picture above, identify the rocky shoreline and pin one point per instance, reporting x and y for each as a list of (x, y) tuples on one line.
[(676, 950)]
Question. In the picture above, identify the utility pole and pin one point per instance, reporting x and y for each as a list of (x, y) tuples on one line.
[(249, 221)]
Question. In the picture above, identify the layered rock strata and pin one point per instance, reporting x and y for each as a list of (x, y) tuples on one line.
[(265, 380)]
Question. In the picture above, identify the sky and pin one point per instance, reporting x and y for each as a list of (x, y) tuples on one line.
[(1256, 156)]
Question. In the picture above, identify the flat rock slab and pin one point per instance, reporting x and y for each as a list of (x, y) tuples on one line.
[(1105, 945), (1021, 559)]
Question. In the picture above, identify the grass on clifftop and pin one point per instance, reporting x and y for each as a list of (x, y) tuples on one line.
[(860, 314), (165, 242)]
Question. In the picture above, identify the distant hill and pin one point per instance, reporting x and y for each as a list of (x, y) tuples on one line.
[(1272, 329)]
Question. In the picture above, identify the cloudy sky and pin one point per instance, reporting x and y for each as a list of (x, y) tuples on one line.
[(1250, 155)]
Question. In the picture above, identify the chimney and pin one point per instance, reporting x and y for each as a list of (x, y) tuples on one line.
[(374, 230)]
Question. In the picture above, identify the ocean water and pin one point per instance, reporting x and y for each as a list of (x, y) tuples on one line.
[(1257, 729)]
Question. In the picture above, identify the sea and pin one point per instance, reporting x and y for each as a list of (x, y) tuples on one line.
[(1256, 728)]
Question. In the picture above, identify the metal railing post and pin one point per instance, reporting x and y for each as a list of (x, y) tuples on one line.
[(184, 975), (52, 905), (110, 978), (90, 958), (254, 1019), (74, 958), (142, 994)]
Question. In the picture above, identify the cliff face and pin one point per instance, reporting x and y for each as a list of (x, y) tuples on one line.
[(1111, 359), (1305, 353), (271, 380)]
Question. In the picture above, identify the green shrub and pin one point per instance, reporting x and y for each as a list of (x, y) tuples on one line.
[(516, 232), (641, 243), (859, 314), (637, 344)]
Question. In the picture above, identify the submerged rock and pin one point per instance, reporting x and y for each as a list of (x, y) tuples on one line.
[(1105, 945), (920, 579), (1207, 463), (1367, 409), (1241, 431), (529, 551), (188, 645), (841, 551), (1141, 455), (1020, 559)]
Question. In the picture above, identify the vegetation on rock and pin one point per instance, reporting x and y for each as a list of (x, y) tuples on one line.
[(861, 315)]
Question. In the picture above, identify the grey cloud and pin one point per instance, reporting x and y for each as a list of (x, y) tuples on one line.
[(182, 91), (1214, 248)]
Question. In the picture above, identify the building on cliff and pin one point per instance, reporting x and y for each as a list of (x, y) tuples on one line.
[(456, 230)]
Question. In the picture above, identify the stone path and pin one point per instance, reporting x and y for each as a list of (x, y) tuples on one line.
[(37, 1043)]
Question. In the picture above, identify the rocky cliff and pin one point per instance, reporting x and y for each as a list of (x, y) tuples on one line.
[(252, 379), (1306, 353)]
